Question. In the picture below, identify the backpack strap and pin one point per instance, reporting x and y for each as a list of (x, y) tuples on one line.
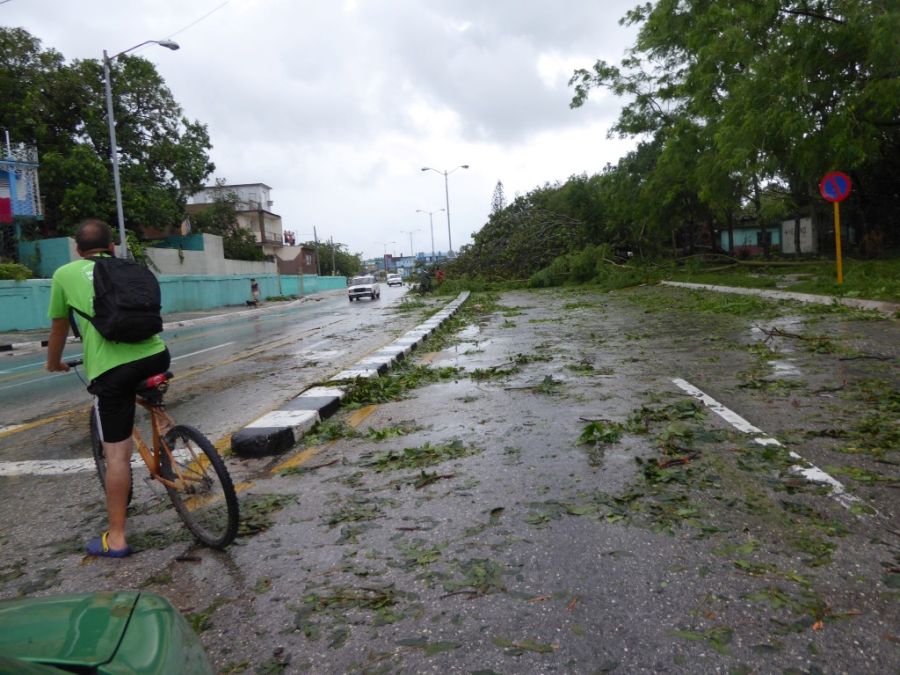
[(73, 310), (73, 323)]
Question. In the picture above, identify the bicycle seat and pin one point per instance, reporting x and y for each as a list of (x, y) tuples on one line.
[(154, 383)]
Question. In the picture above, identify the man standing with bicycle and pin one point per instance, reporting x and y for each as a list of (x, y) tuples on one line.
[(114, 369)]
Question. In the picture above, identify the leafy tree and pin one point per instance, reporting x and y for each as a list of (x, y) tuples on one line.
[(783, 90), (520, 239), (344, 263), (498, 201), (163, 157), (220, 218)]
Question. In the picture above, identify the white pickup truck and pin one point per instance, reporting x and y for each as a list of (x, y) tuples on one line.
[(363, 287)]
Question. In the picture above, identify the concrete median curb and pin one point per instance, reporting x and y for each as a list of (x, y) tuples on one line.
[(882, 306), (281, 429)]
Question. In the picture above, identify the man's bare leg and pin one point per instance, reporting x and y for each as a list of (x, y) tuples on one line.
[(118, 487)]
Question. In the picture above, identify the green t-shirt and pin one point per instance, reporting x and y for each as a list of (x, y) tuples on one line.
[(73, 286)]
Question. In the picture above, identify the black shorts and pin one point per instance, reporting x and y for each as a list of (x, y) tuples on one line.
[(115, 390)]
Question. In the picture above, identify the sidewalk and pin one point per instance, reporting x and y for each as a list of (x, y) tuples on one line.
[(33, 340), (886, 308)]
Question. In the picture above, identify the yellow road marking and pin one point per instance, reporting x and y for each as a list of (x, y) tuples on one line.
[(298, 459), (26, 426), (303, 456), (245, 485), (356, 418)]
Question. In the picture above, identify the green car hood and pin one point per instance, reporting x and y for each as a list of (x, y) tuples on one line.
[(83, 630), (124, 632)]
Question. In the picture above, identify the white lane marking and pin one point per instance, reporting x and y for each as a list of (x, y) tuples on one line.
[(62, 467), (12, 370), (729, 416), (33, 365), (11, 427), (34, 379), (808, 470), (202, 351)]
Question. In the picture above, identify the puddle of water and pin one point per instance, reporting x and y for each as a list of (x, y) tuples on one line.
[(321, 355), (466, 347), (788, 324), (469, 341), (784, 368), (469, 332)]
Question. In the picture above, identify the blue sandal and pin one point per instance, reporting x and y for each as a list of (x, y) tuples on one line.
[(99, 546)]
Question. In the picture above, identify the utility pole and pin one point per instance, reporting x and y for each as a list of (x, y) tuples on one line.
[(316, 238), (333, 268)]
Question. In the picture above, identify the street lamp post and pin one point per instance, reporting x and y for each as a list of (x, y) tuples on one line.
[(446, 173), (410, 233), (113, 149), (431, 225)]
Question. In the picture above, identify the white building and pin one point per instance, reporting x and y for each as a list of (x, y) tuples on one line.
[(254, 203)]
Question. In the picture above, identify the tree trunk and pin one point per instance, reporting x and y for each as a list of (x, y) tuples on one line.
[(730, 233), (797, 235), (763, 230)]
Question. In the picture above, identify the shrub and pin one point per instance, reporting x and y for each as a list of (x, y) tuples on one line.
[(14, 271)]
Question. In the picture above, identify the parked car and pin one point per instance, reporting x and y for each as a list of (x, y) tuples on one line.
[(394, 280), (364, 287), (105, 632)]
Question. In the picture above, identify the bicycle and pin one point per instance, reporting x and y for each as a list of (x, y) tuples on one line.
[(183, 460)]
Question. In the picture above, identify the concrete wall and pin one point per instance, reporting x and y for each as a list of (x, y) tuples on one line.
[(23, 304), (187, 293), (189, 280), (46, 255), (209, 261), (304, 284), (808, 242)]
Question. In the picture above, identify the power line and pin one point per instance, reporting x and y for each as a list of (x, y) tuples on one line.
[(194, 23)]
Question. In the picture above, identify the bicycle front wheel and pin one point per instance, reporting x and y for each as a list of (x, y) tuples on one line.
[(203, 494)]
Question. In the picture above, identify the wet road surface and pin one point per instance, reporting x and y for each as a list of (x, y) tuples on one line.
[(535, 492)]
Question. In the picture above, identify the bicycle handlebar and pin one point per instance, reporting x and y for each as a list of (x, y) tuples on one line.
[(74, 362)]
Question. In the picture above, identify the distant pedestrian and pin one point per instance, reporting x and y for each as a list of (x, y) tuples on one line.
[(439, 276), (254, 291)]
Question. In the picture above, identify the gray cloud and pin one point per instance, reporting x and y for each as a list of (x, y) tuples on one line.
[(337, 105)]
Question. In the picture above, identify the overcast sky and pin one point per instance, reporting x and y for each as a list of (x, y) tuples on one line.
[(338, 104)]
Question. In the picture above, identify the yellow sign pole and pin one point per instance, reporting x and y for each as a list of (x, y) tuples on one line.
[(837, 242)]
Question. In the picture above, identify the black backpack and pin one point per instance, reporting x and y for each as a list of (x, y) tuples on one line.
[(127, 300)]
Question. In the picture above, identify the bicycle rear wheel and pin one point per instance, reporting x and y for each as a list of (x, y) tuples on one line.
[(205, 497), (100, 457)]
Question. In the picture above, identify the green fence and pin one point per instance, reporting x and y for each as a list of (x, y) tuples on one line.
[(23, 304)]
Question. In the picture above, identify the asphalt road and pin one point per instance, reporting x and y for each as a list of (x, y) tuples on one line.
[(567, 481), (226, 373)]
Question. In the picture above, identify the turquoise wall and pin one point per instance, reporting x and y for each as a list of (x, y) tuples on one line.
[(186, 293), (46, 255), (190, 242), (292, 285), (750, 237), (23, 304)]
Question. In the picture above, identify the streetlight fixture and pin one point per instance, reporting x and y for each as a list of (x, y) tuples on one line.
[(410, 233), (113, 149), (431, 224), (446, 173)]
